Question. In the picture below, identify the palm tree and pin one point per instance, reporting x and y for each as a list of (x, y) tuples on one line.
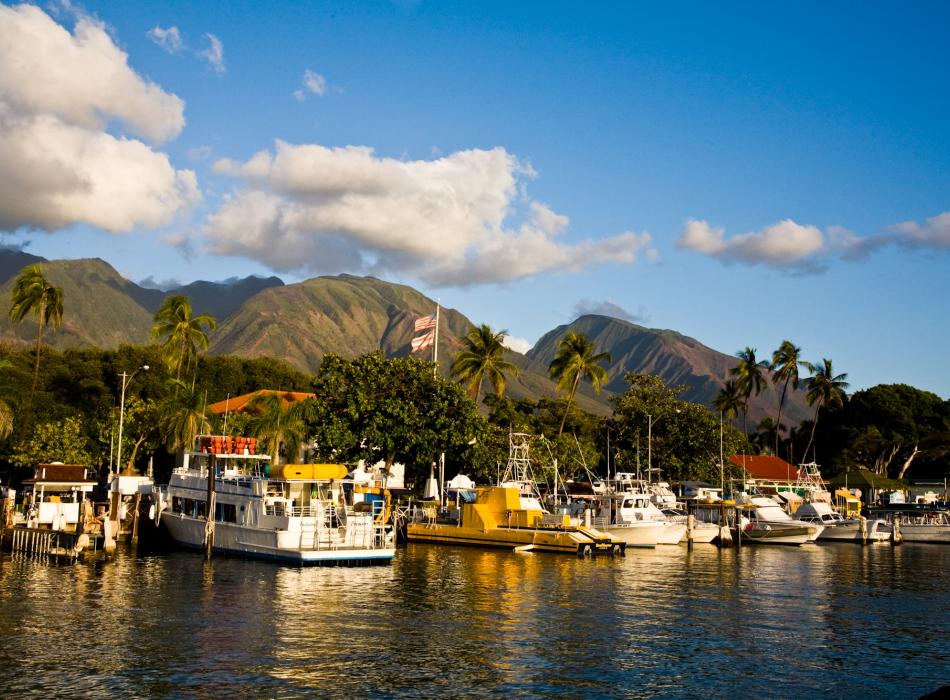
[(784, 367), (277, 423), (749, 380), (33, 293), (575, 358), (825, 388), (184, 417), (183, 335), (729, 399), (6, 419), (483, 356), (6, 412)]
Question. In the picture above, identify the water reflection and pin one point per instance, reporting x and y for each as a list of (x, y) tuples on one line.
[(762, 622)]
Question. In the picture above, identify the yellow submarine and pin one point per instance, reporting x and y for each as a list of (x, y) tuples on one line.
[(502, 517)]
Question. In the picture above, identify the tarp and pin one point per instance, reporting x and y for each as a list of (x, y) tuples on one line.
[(865, 479), (236, 404)]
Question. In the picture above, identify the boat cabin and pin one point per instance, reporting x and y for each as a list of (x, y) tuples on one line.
[(55, 493)]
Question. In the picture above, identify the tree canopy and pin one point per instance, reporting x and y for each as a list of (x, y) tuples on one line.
[(394, 410)]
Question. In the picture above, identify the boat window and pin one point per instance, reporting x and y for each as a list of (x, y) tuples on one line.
[(225, 513)]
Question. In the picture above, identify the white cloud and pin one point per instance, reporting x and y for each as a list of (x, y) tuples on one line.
[(935, 233), (445, 221), (82, 78), (521, 345), (168, 39), (784, 244), (214, 54), (586, 307), (59, 92), (313, 83)]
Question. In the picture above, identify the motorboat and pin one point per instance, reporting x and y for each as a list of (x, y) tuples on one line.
[(838, 528), (764, 521), (916, 522), (228, 498)]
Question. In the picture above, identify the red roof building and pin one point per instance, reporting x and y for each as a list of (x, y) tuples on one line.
[(767, 469), (237, 404)]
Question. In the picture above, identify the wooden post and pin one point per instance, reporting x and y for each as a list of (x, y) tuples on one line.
[(209, 509), (738, 527), (690, 523), (135, 517)]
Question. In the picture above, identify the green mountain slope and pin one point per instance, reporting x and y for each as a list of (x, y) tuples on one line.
[(678, 359), (351, 316), (99, 309)]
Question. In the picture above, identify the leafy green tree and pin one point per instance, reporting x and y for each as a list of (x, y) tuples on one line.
[(395, 410), (685, 435), (575, 359), (33, 293), (825, 389), (482, 356), (784, 368), (182, 334), (890, 429), (60, 441), (749, 380)]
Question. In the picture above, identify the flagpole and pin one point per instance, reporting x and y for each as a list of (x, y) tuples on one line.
[(435, 345)]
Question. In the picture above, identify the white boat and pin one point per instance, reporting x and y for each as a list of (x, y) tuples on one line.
[(839, 529), (626, 513), (764, 521), (701, 533), (916, 523), (298, 514)]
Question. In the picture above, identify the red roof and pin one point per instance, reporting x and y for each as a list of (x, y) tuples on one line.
[(766, 467), (239, 403)]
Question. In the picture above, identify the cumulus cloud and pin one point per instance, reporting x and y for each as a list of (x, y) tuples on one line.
[(785, 243), (521, 345), (586, 307), (446, 221), (214, 54), (791, 246), (168, 39), (935, 233), (64, 99), (313, 83)]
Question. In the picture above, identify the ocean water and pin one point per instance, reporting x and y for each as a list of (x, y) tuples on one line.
[(837, 620)]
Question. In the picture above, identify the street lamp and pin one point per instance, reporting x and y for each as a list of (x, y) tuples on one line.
[(126, 378)]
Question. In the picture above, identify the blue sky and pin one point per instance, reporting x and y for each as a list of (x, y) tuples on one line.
[(741, 177)]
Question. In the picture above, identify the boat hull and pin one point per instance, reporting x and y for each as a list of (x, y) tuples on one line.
[(642, 534), (703, 533), (564, 541), (274, 545), (671, 533), (764, 533), (851, 532)]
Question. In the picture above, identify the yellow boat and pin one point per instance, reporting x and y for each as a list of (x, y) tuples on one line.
[(502, 516)]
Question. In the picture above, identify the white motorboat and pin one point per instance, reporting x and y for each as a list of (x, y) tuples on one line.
[(839, 529), (765, 522), (916, 522), (299, 514)]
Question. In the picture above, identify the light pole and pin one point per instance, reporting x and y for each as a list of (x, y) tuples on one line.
[(126, 378)]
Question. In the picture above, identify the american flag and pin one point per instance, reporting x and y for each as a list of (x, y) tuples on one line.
[(423, 341), (424, 323)]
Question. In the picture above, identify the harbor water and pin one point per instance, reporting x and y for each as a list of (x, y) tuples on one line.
[(828, 620)]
